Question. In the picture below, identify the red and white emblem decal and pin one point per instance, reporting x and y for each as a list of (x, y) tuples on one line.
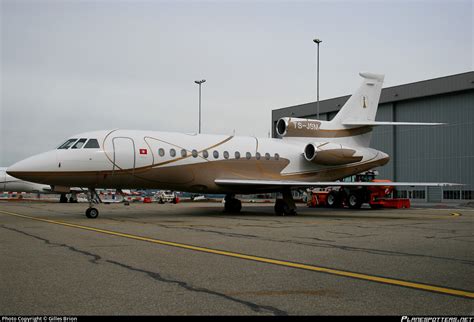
[(143, 151)]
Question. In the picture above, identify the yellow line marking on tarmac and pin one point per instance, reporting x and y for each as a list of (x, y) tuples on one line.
[(384, 280), (456, 214)]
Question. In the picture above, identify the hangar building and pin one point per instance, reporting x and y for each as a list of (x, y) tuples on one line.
[(418, 153)]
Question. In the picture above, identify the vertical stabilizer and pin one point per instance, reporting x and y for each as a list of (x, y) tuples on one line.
[(362, 105)]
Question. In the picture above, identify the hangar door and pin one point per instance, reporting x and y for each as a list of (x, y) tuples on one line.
[(124, 153)]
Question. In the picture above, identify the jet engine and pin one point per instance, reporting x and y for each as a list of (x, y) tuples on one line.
[(330, 154), (290, 126)]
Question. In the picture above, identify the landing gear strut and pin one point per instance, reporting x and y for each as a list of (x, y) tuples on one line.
[(73, 197), (92, 197), (285, 206), (231, 204), (63, 198)]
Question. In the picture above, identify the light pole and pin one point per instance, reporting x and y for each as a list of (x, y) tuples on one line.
[(317, 41), (199, 82)]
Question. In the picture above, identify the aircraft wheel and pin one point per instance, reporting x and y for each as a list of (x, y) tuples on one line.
[(354, 200), (237, 205), (333, 199), (289, 212), (63, 198), (279, 204), (92, 213), (233, 205), (282, 208)]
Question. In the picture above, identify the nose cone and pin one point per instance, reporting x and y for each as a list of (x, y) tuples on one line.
[(34, 168)]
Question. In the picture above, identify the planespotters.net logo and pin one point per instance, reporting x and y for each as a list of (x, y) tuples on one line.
[(437, 319)]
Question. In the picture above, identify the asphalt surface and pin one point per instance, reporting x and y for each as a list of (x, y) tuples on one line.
[(416, 261)]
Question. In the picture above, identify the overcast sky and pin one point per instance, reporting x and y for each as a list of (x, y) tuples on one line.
[(74, 66)]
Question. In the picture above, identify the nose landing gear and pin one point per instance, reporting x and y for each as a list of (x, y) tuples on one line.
[(92, 213), (92, 197)]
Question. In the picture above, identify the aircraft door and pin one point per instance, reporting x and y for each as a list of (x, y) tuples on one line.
[(124, 153)]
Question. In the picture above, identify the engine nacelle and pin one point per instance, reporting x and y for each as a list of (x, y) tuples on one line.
[(290, 126), (330, 154)]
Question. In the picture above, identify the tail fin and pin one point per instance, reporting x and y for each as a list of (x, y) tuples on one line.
[(362, 105)]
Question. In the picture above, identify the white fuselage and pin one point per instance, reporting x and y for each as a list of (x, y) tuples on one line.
[(185, 162), (12, 184)]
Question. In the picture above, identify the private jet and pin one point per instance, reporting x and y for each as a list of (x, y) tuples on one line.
[(9, 183), (308, 153)]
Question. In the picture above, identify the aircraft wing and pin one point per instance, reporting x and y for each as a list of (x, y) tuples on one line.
[(291, 183)]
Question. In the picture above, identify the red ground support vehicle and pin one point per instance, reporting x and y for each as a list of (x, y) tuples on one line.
[(354, 197)]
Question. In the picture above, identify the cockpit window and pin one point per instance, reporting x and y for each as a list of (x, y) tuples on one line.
[(67, 144), (92, 144), (79, 144)]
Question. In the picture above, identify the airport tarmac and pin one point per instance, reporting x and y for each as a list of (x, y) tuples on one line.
[(191, 258)]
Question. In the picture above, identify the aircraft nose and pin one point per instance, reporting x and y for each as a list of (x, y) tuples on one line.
[(34, 168)]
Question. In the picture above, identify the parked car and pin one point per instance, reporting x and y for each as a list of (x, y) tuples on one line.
[(166, 196)]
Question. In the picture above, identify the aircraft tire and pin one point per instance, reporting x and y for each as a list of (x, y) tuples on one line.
[(279, 207), (282, 208), (237, 205), (233, 205), (92, 213), (289, 212), (63, 198)]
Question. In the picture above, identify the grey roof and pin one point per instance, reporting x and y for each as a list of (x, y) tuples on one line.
[(430, 87)]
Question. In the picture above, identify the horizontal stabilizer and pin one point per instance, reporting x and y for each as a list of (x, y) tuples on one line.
[(376, 123), (291, 183)]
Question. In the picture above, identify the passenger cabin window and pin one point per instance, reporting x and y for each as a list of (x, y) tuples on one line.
[(237, 154), (173, 152), (67, 144), (257, 155), (226, 154), (267, 156), (205, 154), (79, 144), (194, 153), (161, 152), (248, 156), (277, 156), (92, 144), (215, 154)]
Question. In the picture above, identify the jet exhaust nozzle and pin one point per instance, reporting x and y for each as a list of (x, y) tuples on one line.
[(330, 154), (296, 127)]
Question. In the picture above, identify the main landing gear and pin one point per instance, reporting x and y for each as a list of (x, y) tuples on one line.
[(92, 197), (285, 206), (231, 204), (64, 199)]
